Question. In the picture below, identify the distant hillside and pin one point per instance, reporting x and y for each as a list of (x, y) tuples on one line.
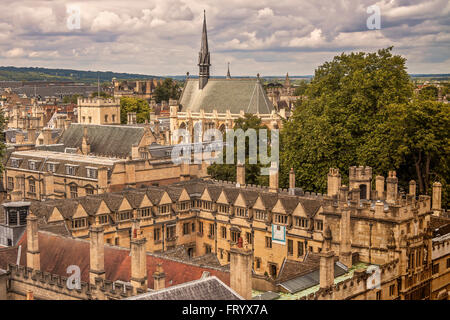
[(44, 74)]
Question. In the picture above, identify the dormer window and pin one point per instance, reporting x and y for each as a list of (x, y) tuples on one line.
[(164, 209), (32, 165), (301, 222), (207, 205), (183, 205), (91, 173), (15, 163), (70, 170), (260, 215), (281, 218), (79, 223), (241, 212), (51, 167), (223, 208)]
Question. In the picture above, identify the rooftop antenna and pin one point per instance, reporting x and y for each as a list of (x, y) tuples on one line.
[(98, 86)]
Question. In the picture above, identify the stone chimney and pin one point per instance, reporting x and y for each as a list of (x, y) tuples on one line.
[(97, 253), (157, 128), (391, 187), (379, 187), (30, 295), (240, 174), (138, 263), (67, 123), (437, 197), (241, 261), (33, 253), (412, 188), (343, 194), (185, 170), (31, 135), (273, 177), (345, 252), (85, 145), (20, 138), (131, 118), (102, 179), (326, 272), (334, 182), (47, 135), (159, 278), (291, 179), (379, 209)]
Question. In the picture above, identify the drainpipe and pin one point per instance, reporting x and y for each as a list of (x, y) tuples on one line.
[(370, 242)]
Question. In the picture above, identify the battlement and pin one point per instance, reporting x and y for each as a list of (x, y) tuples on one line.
[(357, 284), (360, 173), (95, 102), (334, 172), (52, 286)]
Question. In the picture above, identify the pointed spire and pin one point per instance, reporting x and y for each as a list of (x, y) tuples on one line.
[(228, 72), (287, 81), (204, 57)]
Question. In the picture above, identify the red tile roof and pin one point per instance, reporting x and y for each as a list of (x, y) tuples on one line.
[(59, 252)]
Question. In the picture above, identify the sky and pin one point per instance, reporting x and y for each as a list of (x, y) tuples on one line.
[(162, 37)]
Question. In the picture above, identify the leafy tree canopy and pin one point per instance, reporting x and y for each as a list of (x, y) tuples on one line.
[(140, 106), (252, 171), (169, 89)]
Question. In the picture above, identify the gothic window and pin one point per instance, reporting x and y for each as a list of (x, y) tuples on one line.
[(31, 186), (73, 191)]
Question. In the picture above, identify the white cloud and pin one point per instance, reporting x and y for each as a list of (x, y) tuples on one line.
[(163, 37)]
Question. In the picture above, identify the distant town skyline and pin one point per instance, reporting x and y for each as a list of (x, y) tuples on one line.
[(162, 38)]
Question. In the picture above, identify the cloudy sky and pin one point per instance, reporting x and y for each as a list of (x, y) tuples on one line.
[(162, 37)]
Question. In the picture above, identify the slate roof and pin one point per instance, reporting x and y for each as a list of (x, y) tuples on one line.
[(297, 276), (58, 252), (210, 288), (226, 94), (104, 139)]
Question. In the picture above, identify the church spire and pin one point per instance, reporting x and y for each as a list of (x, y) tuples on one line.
[(287, 81), (203, 57), (228, 72)]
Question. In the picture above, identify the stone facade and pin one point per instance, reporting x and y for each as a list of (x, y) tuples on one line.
[(98, 111)]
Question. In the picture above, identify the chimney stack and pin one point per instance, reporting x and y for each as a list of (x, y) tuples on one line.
[(273, 177), (345, 252), (159, 278), (241, 261), (49, 187), (240, 174), (412, 188), (47, 135), (334, 182), (138, 263), (437, 197), (391, 187), (33, 253), (326, 272), (379, 187), (85, 145), (291, 179), (97, 253), (31, 135)]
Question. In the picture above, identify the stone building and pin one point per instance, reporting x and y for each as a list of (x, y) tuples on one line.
[(216, 103), (282, 95), (142, 89), (92, 159), (28, 270), (98, 111)]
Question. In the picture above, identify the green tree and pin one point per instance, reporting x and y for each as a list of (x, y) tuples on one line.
[(301, 89), (140, 106), (429, 93), (421, 138), (71, 99), (103, 95), (169, 89), (346, 102), (252, 171)]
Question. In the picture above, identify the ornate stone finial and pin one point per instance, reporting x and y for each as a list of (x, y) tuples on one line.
[(327, 233)]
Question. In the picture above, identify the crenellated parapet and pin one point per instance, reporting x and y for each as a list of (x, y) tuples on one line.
[(47, 286), (359, 284)]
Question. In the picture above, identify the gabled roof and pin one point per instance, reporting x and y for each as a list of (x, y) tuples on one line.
[(58, 252), (226, 94), (104, 139), (209, 288)]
